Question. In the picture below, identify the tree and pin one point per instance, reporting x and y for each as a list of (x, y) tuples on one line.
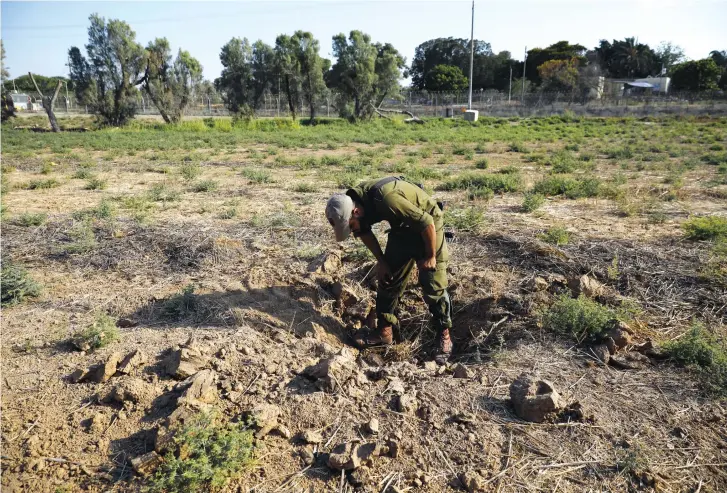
[(699, 75), (263, 71), (364, 73), (235, 82), (48, 103), (8, 107), (169, 83), (559, 75), (562, 50), (627, 58), (668, 54), (446, 78), (309, 67), (115, 62), (720, 58), (286, 63)]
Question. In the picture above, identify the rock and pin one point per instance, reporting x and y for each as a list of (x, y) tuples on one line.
[(263, 417), (104, 371), (283, 431), (345, 296), (180, 416), (359, 310), (349, 456), (461, 371), (620, 333), (200, 389), (587, 286), (359, 477), (99, 422), (649, 349), (533, 399), (79, 375), (601, 353), (186, 361), (146, 464), (430, 366), (396, 386), (307, 456), (611, 345), (629, 361), (311, 437), (125, 323), (372, 426), (328, 263), (333, 372), (472, 482), (537, 283), (407, 404), (131, 361), (131, 389)]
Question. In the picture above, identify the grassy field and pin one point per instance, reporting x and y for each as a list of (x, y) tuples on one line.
[(208, 228)]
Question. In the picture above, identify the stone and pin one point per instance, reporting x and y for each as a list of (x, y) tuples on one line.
[(180, 416), (349, 456), (333, 372), (186, 361), (359, 477), (359, 310), (307, 456), (345, 296), (131, 361), (283, 431), (131, 389), (200, 389), (396, 386), (393, 448), (125, 323), (372, 426), (326, 263), (311, 437), (601, 353), (146, 464), (620, 333), (102, 372), (649, 349), (472, 481), (263, 417), (611, 345), (79, 375), (461, 371), (164, 441), (407, 404), (430, 365), (629, 361), (533, 399), (587, 286)]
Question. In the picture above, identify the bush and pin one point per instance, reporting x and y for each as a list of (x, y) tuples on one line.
[(556, 235), (190, 170), (496, 182), (620, 153), (570, 187), (703, 352), (83, 174), (41, 184), (257, 175), (481, 194), (563, 162), (161, 192), (482, 163), (533, 201), (470, 219), (518, 147), (100, 333), (305, 188), (579, 317), (348, 180), (205, 186), (214, 454), (16, 284), (705, 228), (30, 219), (95, 184)]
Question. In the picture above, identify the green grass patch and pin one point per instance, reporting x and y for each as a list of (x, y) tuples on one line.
[(705, 228), (498, 183), (532, 201), (557, 235), (581, 318), (161, 192), (257, 175), (470, 219), (305, 188), (518, 147), (572, 188), (100, 333), (205, 186), (703, 352), (31, 219), (16, 284), (481, 194), (81, 238)]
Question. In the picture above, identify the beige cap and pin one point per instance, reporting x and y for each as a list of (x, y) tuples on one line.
[(338, 212)]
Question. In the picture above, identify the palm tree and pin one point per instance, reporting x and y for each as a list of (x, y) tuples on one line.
[(632, 56)]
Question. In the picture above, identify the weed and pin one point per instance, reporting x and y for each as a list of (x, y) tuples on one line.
[(518, 147), (471, 219), (557, 235), (83, 174), (30, 219), (41, 184), (612, 270), (100, 333), (582, 317), (703, 352), (508, 170), (532, 201), (587, 156), (81, 238), (309, 252), (46, 168), (182, 304), (705, 228), (482, 163), (205, 186), (305, 188), (161, 192), (190, 171), (332, 161), (229, 213), (620, 153), (563, 162), (496, 182), (359, 254), (105, 210), (570, 187), (483, 194), (214, 453), (348, 180), (96, 184), (469, 155), (459, 150), (257, 175), (16, 284)]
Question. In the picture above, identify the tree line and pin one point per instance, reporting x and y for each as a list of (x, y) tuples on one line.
[(115, 68)]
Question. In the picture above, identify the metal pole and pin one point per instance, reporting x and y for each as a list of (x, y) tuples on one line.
[(525, 60), (472, 54), (509, 91)]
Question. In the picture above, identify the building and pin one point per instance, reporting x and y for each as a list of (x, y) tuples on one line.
[(22, 102)]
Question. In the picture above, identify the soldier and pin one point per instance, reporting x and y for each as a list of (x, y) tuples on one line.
[(416, 236)]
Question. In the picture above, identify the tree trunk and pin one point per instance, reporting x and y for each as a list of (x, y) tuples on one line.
[(160, 107), (48, 103), (291, 104), (311, 100)]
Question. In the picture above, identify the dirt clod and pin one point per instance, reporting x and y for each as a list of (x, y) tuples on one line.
[(131, 361), (131, 389), (333, 372), (326, 263), (185, 361), (311, 437), (263, 417), (472, 481), (407, 404), (349, 456), (199, 389), (620, 333), (372, 426), (104, 371), (146, 464), (534, 399), (461, 371), (587, 286), (601, 353)]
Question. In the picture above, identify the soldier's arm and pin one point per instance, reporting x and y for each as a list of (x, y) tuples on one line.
[(411, 215), (369, 239)]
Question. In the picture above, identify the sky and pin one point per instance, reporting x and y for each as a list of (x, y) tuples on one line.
[(37, 35)]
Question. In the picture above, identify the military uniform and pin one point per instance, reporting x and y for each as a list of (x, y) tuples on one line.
[(409, 210)]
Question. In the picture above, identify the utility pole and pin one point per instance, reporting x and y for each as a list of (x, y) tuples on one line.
[(525, 60), (472, 54), (509, 91)]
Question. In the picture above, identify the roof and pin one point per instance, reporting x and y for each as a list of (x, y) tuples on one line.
[(640, 84)]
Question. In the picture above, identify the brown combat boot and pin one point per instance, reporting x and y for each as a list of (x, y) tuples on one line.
[(384, 337), (443, 349)]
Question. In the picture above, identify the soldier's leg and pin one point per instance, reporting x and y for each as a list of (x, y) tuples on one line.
[(399, 256), (434, 286)]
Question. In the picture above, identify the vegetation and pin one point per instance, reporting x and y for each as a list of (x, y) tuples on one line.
[(706, 228), (498, 183), (31, 219), (557, 235), (96, 184), (471, 219), (532, 201), (205, 186), (16, 284), (572, 188), (703, 352), (581, 318), (257, 175), (100, 333)]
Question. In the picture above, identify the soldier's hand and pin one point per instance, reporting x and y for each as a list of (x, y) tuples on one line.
[(427, 264), (383, 272)]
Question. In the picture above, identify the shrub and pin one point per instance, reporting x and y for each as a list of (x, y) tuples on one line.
[(579, 317), (161, 192), (459, 150), (481, 194), (496, 182), (181, 304), (570, 187), (29, 219), (620, 153), (41, 184), (100, 333), (508, 170), (556, 235), (471, 219), (482, 163), (83, 174), (229, 213), (82, 238), (46, 168), (16, 284), (532, 201), (95, 184), (214, 454), (190, 171), (563, 162), (257, 175), (305, 188), (348, 180), (518, 147), (703, 352), (705, 228), (205, 186)]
